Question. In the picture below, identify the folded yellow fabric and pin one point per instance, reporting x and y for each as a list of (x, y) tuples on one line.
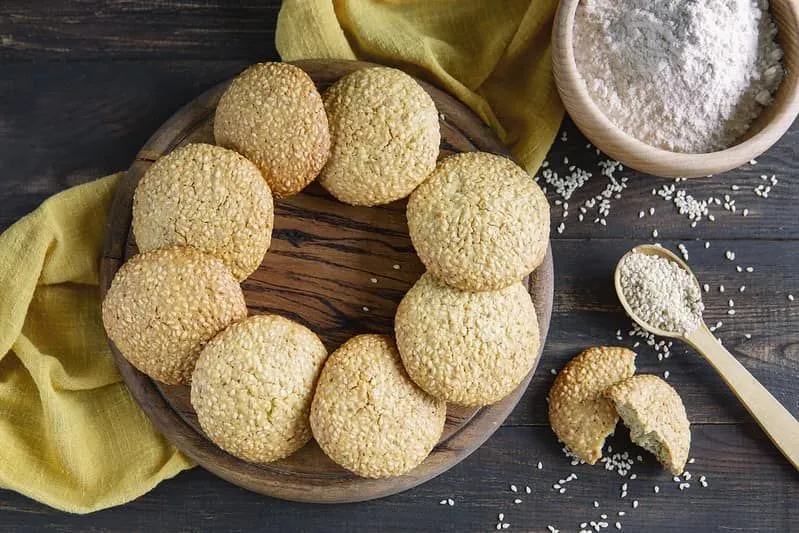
[(71, 436), (493, 55)]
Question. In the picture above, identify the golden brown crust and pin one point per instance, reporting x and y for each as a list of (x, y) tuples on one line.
[(579, 414), (368, 416), (656, 416), (274, 116), (207, 197), (385, 136), (479, 222), (163, 306), (253, 384), (468, 348)]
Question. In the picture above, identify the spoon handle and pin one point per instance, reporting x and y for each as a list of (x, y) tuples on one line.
[(778, 423)]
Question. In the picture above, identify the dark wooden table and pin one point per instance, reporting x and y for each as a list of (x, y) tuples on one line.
[(83, 84)]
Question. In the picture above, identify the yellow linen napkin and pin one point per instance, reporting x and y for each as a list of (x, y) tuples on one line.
[(71, 436), (493, 55)]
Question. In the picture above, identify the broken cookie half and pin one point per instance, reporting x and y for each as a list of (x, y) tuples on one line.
[(580, 414), (655, 414)]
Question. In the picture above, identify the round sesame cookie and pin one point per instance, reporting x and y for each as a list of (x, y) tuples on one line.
[(274, 116), (655, 414), (164, 305), (468, 348), (253, 384), (479, 222), (579, 414), (368, 416), (384, 134), (207, 197)]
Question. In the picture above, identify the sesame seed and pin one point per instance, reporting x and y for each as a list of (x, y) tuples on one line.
[(596, 504), (706, 287), (635, 504), (666, 374), (656, 489), (395, 267), (501, 516), (730, 312), (443, 502), (506, 526), (654, 234), (499, 526), (691, 460), (747, 336), (731, 303), (633, 476), (621, 513), (742, 288), (790, 297), (365, 309), (753, 162), (517, 500), (721, 288), (373, 280), (707, 245), (730, 255), (451, 502), (618, 525), (513, 488), (562, 490), (739, 268), (540, 465), (528, 490), (745, 212), (603, 516), (750, 269), (553, 371), (641, 214)]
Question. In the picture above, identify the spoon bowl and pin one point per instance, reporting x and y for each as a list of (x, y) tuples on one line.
[(777, 422), (649, 249)]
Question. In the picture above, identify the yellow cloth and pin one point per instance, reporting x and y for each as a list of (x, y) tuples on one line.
[(71, 436), (494, 55)]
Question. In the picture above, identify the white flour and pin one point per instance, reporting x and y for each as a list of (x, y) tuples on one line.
[(684, 75)]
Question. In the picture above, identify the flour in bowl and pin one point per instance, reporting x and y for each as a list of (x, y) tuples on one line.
[(683, 75)]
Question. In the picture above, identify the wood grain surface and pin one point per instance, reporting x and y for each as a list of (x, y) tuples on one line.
[(72, 115), (340, 270)]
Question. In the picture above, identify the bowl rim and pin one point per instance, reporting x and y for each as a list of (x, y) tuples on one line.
[(625, 148)]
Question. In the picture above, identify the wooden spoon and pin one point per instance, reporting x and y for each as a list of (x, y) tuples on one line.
[(778, 423)]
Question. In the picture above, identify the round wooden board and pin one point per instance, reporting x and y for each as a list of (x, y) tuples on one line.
[(338, 269)]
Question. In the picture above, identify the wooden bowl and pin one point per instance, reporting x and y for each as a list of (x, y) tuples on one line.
[(338, 269), (772, 123)]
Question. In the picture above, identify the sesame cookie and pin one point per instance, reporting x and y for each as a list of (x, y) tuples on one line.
[(253, 384), (479, 222), (468, 348), (655, 414), (163, 306), (384, 134), (209, 198), (368, 416), (579, 414), (273, 115)]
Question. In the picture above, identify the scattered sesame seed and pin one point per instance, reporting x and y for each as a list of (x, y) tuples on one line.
[(656, 489), (501, 517), (621, 513), (365, 309), (517, 500), (540, 465), (395, 267), (707, 245), (618, 525), (745, 212), (666, 374), (747, 336), (742, 288), (790, 297), (553, 371), (373, 280), (528, 490), (641, 214), (633, 476), (513, 488), (731, 303), (730, 312), (443, 502), (750, 269), (562, 490), (596, 504), (635, 504), (654, 234), (739, 268), (450, 501), (706, 287), (499, 526), (506, 526), (691, 460), (753, 162), (730, 255)]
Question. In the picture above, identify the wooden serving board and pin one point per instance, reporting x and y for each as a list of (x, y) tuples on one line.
[(338, 269)]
